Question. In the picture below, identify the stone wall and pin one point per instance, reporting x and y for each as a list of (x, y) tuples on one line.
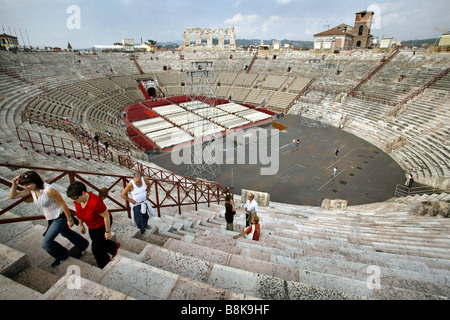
[(209, 34), (262, 198)]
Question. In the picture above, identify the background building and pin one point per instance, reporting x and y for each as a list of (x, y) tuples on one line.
[(363, 22), (340, 37), (345, 37), (8, 42)]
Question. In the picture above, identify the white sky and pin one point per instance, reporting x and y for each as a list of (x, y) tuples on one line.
[(54, 22)]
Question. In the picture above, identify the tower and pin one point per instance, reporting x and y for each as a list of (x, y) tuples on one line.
[(363, 23), (202, 109)]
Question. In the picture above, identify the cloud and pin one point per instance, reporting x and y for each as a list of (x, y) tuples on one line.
[(272, 23), (242, 19), (246, 25), (313, 26), (283, 2)]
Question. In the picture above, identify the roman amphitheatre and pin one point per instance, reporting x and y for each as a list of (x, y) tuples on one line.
[(359, 235)]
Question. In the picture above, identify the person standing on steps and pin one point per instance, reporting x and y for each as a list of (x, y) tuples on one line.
[(410, 181), (91, 210), (139, 190), (251, 208), (230, 211), (56, 212)]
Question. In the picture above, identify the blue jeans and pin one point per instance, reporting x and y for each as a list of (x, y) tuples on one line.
[(140, 219), (59, 226)]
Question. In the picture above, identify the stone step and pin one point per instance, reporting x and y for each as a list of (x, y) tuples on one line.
[(312, 262), (177, 248), (69, 287), (144, 282), (12, 290), (242, 275), (98, 284)]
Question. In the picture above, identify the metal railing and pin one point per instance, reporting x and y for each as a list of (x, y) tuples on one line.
[(47, 143), (374, 71), (164, 193), (404, 191)]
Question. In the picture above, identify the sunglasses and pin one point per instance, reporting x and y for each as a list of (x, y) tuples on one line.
[(75, 198)]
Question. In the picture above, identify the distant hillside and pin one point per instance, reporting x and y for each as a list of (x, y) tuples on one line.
[(248, 42), (419, 43), (297, 43)]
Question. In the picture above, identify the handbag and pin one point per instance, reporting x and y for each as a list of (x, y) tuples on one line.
[(251, 215)]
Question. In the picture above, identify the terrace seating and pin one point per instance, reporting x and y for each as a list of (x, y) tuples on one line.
[(226, 79), (280, 101), (258, 97), (313, 252), (304, 252)]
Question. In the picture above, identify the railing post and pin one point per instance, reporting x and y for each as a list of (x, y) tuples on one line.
[(218, 194), (31, 141), (71, 177), (124, 184), (157, 198), (178, 199), (42, 142), (195, 196)]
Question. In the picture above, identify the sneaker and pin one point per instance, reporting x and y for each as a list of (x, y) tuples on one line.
[(117, 249), (79, 254), (57, 263)]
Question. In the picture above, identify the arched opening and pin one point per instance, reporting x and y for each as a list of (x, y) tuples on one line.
[(151, 92), (215, 40), (204, 41), (361, 30), (358, 43), (192, 41), (226, 40)]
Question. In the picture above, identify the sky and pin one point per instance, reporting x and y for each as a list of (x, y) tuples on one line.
[(85, 23)]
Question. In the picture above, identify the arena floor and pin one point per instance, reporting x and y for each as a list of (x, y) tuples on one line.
[(365, 174)]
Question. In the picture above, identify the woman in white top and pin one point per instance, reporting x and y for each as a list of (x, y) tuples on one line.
[(55, 211), (250, 205), (139, 189)]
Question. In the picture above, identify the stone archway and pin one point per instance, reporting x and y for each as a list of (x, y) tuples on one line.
[(208, 33), (151, 92)]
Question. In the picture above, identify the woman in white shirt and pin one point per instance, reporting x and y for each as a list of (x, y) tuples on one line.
[(136, 192), (55, 211), (250, 205)]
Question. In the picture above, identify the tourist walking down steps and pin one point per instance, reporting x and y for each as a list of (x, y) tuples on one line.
[(139, 190), (92, 210), (56, 212)]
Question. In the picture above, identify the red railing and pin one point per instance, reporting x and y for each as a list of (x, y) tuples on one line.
[(426, 85), (61, 146), (164, 193), (255, 56), (138, 66), (371, 74)]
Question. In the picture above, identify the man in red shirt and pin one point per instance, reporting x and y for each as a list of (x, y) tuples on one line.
[(91, 209), (254, 227)]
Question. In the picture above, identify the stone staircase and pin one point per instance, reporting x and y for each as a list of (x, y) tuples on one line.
[(303, 253), (375, 251)]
